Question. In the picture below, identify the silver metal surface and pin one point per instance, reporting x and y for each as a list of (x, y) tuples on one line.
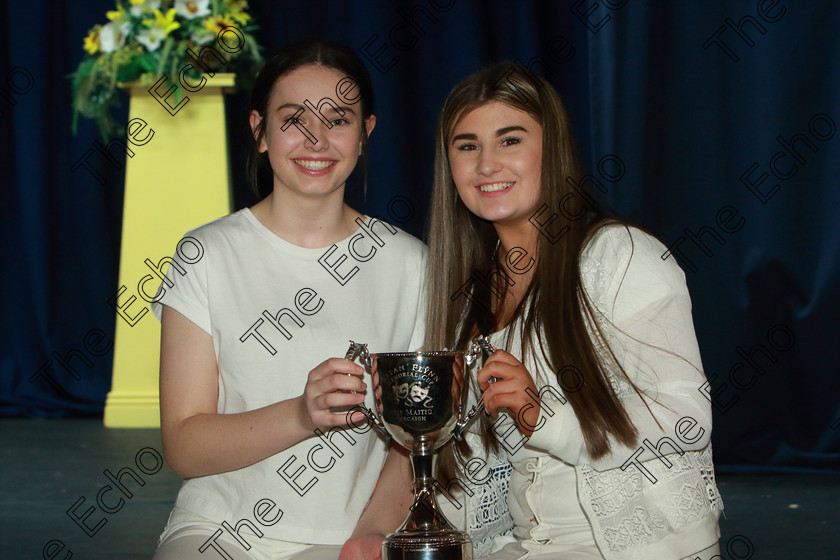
[(421, 400)]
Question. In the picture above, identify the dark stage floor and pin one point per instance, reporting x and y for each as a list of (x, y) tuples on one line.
[(48, 465)]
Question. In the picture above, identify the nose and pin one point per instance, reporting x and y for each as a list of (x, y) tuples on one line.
[(488, 162), (318, 139)]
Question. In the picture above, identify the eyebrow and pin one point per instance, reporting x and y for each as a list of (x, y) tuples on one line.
[(298, 106), (500, 132)]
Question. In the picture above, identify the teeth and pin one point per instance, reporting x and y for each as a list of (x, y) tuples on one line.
[(314, 165), (495, 187)]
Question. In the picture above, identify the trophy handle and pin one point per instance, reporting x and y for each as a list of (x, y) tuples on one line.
[(358, 349), (479, 345)]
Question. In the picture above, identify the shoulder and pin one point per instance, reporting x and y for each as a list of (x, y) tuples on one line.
[(615, 241), (401, 244), (619, 257), (236, 223), (224, 238)]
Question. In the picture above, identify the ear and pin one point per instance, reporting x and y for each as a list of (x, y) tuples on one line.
[(370, 124), (255, 120)]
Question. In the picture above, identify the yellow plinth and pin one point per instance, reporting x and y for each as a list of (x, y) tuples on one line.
[(177, 179)]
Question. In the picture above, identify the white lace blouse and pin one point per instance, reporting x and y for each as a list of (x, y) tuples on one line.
[(658, 500)]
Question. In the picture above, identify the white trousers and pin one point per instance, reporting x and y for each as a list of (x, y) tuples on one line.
[(515, 551), (188, 536)]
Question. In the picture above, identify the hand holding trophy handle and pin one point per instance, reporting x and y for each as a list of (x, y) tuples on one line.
[(361, 350), (480, 344), (421, 398)]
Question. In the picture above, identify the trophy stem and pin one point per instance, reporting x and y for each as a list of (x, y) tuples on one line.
[(426, 534), (425, 513)]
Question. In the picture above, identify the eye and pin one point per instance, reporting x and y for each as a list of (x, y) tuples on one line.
[(511, 140), (466, 147), (293, 119), (338, 121)]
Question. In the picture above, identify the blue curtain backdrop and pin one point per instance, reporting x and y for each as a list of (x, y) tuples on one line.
[(722, 117)]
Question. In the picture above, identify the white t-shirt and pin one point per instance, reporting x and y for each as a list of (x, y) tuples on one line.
[(275, 311)]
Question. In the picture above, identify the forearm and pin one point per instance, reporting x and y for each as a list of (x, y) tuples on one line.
[(209, 443), (392, 497), (682, 418)]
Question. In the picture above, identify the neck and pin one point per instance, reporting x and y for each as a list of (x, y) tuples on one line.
[(310, 222), (517, 241), (517, 255)]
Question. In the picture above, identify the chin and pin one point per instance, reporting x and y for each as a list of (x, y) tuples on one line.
[(497, 215)]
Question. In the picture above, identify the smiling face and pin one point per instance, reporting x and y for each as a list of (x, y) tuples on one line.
[(308, 157), (495, 157)]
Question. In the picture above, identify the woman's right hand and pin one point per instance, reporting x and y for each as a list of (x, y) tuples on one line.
[(200, 441), (326, 388)]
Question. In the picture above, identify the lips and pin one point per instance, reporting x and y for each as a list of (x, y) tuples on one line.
[(495, 187), (315, 164)]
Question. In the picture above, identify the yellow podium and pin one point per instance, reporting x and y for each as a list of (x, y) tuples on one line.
[(177, 179)]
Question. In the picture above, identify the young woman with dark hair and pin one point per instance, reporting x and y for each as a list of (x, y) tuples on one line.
[(597, 379), (250, 408)]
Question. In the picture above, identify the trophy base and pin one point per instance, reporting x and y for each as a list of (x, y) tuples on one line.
[(438, 545)]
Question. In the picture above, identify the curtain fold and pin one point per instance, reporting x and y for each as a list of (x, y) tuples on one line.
[(734, 166), (651, 85)]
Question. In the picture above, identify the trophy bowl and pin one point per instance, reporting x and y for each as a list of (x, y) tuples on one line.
[(421, 402)]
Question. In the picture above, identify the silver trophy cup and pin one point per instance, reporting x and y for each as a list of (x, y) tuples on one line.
[(421, 402)]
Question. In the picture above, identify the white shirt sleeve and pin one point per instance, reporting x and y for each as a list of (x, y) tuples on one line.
[(185, 287), (644, 311)]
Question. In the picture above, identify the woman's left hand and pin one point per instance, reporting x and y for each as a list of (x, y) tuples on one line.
[(510, 390), (363, 547)]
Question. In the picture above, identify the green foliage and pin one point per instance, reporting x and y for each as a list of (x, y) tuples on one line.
[(140, 48)]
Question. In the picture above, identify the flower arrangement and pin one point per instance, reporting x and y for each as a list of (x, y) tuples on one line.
[(145, 39)]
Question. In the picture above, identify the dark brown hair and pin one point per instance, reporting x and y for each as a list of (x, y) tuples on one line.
[(289, 58)]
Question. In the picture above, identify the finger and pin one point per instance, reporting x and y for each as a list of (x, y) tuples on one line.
[(340, 365), (355, 418), (335, 365), (490, 404), (491, 373), (495, 402), (345, 382), (352, 418), (503, 357), (511, 401), (336, 382), (509, 387), (525, 414), (336, 400), (513, 393)]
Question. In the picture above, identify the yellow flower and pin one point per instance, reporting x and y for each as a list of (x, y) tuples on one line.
[(215, 24), (210, 24), (138, 2), (165, 23), (240, 17), (236, 10), (115, 15), (91, 44)]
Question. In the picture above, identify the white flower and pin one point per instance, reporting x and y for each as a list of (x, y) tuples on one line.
[(139, 7), (112, 37), (151, 38), (193, 9), (202, 37)]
